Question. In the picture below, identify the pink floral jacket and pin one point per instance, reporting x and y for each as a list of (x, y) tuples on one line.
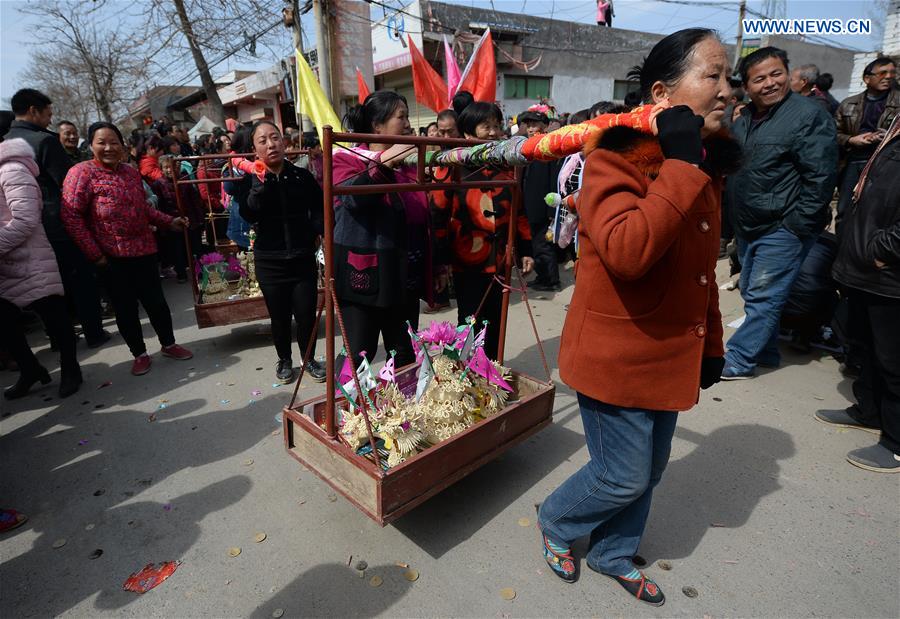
[(106, 212)]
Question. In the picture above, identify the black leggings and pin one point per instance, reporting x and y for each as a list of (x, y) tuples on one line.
[(130, 280), (470, 289), (290, 288), (53, 313), (365, 322)]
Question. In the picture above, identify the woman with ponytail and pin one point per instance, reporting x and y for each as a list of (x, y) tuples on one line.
[(643, 334), (383, 246)]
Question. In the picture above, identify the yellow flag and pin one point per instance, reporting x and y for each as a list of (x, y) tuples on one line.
[(312, 100)]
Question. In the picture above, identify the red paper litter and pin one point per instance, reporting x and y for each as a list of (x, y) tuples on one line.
[(150, 576)]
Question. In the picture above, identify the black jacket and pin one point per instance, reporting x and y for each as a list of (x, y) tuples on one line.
[(871, 230), (54, 164), (789, 171), (538, 179), (286, 211)]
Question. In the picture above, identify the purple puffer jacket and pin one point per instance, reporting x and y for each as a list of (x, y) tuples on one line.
[(28, 270)]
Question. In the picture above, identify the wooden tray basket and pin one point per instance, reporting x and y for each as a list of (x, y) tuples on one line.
[(386, 495)]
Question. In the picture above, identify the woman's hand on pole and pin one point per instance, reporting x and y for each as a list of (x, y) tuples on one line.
[(178, 224), (394, 155), (527, 265)]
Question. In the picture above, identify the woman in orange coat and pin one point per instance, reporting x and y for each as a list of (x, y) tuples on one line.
[(643, 333)]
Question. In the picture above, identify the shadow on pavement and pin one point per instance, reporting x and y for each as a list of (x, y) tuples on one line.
[(335, 590), (719, 483)]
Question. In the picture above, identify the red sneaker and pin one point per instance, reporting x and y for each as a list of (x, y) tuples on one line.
[(177, 352), (141, 364)]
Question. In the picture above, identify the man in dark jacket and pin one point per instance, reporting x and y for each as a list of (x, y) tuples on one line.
[(539, 179), (778, 201), (34, 111), (861, 122), (868, 265)]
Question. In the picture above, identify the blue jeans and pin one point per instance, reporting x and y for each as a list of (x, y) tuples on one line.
[(769, 266), (609, 497)]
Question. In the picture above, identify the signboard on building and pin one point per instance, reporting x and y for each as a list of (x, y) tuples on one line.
[(390, 50), (749, 46)]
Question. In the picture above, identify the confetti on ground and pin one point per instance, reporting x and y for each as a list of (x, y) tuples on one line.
[(161, 406), (152, 417), (231, 384), (256, 392), (167, 507), (83, 441), (99, 492), (233, 552), (258, 369), (361, 566), (664, 565), (401, 564), (248, 462), (508, 594), (819, 398), (277, 613), (275, 385), (716, 524), (59, 543), (689, 592), (105, 384), (411, 575), (225, 401), (96, 554), (259, 537), (375, 581), (150, 576), (89, 527), (332, 498), (524, 522), (730, 562)]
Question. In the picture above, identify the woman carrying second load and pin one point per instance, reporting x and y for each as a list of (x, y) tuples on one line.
[(643, 334), (382, 242), (478, 230), (286, 209)]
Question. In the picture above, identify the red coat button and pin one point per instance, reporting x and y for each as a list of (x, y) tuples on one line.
[(704, 226), (700, 330), (703, 280)]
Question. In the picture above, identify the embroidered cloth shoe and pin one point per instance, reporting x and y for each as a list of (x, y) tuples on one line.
[(176, 351), (141, 364), (843, 419), (641, 587), (284, 371), (560, 560), (877, 458)]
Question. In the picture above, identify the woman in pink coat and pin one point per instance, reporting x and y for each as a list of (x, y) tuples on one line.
[(29, 277)]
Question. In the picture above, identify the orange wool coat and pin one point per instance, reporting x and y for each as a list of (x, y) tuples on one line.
[(645, 310)]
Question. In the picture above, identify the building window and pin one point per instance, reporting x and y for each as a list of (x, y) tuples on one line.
[(623, 87), (525, 87)]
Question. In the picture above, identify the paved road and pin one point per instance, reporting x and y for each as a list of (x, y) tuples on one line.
[(758, 511)]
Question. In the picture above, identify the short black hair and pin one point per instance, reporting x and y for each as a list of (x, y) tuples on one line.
[(477, 113), (461, 100), (309, 139), (601, 107), (66, 122), (377, 108), (632, 100), (763, 53), (869, 70), (669, 59), (6, 118), (825, 82), (97, 126), (445, 114), (26, 98), (533, 117), (580, 116)]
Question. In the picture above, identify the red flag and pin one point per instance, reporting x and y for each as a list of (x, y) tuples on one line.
[(480, 76), (361, 86), (430, 88)]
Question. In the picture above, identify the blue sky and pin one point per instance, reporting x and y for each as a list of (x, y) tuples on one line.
[(646, 15)]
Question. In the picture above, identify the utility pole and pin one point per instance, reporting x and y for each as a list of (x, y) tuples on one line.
[(323, 46), (292, 20), (739, 42)]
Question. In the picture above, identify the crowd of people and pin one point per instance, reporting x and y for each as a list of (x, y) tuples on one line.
[(749, 166)]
